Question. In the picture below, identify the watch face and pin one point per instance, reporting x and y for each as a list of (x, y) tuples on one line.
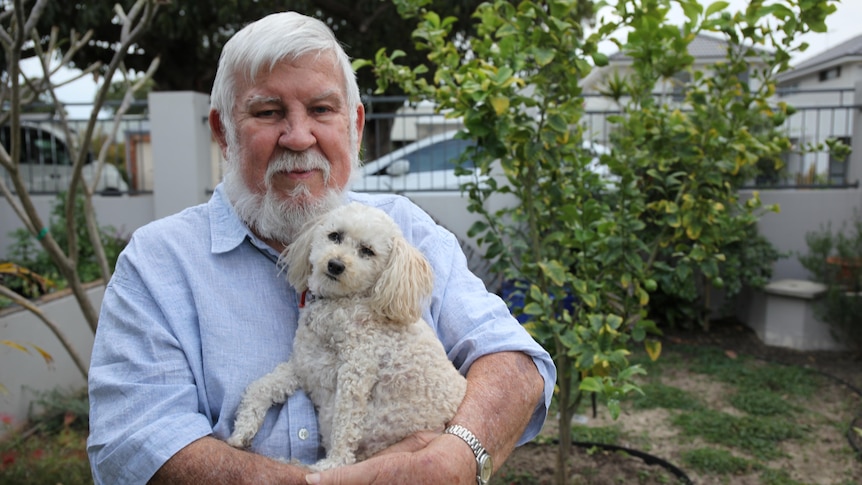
[(485, 468)]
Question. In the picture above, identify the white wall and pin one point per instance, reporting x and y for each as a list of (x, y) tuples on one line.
[(26, 376), (181, 150), (125, 213), (802, 211), (182, 166)]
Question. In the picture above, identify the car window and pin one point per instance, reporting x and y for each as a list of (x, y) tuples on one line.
[(439, 156), (38, 147), (44, 149)]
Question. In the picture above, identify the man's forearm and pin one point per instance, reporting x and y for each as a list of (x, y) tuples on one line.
[(209, 460), (503, 390)]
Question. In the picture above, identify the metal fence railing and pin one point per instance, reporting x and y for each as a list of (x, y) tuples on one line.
[(46, 155), (394, 124)]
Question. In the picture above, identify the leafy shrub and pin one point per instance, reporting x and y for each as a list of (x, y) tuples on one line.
[(53, 448), (835, 259), (25, 250)]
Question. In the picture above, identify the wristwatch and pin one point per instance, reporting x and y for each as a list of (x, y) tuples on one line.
[(484, 466)]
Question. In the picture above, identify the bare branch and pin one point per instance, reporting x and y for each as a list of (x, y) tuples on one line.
[(16, 207), (19, 88), (35, 310), (35, 14)]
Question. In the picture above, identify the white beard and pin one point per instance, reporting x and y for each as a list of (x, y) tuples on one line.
[(271, 215)]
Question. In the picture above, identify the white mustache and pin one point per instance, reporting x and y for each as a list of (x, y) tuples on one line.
[(298, 162)]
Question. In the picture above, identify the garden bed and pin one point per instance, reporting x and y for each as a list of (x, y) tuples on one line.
[(723, 408)]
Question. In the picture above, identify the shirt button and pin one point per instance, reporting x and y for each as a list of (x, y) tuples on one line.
[(303, 434)]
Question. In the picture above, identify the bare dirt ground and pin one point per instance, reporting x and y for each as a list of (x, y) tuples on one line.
[(826, 455)]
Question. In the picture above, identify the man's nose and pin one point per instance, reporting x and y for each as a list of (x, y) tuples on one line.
[(296, 132)]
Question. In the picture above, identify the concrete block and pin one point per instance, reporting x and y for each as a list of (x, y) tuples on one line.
[(782, 315)]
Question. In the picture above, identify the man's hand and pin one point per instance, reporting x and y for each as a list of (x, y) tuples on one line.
[(423, 458), (212, 461)]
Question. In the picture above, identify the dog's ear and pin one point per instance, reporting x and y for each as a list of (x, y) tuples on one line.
[(405, 284), (296, 258)]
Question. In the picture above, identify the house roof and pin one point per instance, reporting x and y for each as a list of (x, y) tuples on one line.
[(852, 47), (702, 48), (847, 51)]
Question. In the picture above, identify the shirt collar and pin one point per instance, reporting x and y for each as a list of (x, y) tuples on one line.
[(226, 228)]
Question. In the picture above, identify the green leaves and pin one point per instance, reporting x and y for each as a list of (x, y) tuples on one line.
[(601, 267), (715, 7)]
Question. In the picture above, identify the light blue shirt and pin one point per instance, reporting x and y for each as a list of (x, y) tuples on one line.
[(197, 309)]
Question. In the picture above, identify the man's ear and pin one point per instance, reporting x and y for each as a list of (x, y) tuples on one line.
[(360, 125), (217, 129)]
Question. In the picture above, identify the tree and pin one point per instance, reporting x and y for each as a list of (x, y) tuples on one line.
[(572, 253), (586, 255), (18, 27), (117, 93), (188, 36)]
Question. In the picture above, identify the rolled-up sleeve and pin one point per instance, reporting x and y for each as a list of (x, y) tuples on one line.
[(144, 404), (194, 312)]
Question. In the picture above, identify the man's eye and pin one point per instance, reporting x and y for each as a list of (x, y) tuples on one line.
[(335, 237), (267, 113), (366, 251)]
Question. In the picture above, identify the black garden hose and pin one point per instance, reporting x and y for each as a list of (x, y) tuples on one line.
[(646, 457)]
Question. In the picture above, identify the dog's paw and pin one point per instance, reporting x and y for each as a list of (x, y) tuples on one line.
[(328, 464), (238, 440)]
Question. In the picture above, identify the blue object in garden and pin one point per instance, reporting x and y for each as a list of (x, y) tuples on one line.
[(512, 292)]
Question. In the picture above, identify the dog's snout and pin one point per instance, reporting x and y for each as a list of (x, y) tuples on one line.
[(335, 267)]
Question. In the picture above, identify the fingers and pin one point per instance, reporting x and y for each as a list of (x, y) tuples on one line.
[(364, 473), (438, 462), (380, 470)]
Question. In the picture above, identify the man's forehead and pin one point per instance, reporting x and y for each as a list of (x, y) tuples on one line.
[(323, 61), (259, 90)]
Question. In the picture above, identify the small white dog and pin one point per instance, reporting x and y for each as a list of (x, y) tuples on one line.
[(373, 367)]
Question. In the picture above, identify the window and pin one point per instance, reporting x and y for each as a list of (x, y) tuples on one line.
[(679, 83), (837, 168), (439, 156), (831, 73)]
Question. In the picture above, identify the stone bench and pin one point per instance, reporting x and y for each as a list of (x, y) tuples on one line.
[(782, 315)]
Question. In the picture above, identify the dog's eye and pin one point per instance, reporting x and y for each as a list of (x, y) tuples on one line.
[(335, 237), (366, 251)]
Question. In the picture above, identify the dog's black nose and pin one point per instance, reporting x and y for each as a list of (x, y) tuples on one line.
[(335, 267)]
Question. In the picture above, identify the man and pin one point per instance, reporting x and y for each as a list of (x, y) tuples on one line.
[(198, 308)]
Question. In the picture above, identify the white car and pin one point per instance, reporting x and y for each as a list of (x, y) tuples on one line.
[(429, 165), (46, 165)]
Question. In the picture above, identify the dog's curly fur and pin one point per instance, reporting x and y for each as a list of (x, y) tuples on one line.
[(373, 368)]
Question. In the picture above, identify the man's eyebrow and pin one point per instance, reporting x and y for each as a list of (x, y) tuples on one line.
[(333, 96), (259, 99), (330, 95)]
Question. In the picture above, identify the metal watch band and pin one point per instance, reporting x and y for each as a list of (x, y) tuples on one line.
[(484, 463), (468, 437)]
